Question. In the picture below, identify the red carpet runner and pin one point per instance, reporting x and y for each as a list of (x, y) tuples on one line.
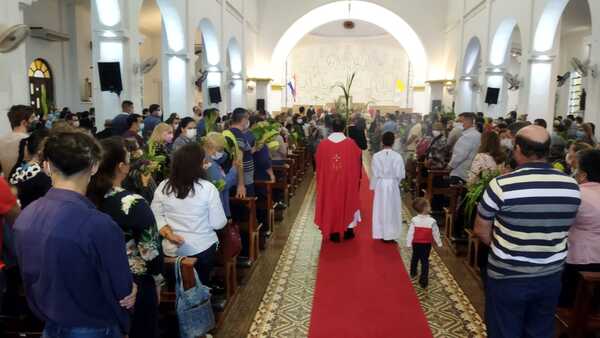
[(363, 290)]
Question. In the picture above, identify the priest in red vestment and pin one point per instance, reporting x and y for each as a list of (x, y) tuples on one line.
[(339, 170)]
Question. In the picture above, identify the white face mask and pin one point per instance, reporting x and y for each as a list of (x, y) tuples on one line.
[(300, 121), (76, 124), (507, 143), (247, 125), (458, 125), (436, 133), (217, 156), (190, 133)]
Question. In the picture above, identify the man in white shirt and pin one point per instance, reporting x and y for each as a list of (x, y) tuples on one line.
[(22, 119)]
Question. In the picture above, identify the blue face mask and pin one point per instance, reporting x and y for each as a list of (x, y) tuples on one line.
[(579, 135)]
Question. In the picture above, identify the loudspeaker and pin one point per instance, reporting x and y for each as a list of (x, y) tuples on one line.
[(491, 97), (260, 104), (110, 77), (215, 94)]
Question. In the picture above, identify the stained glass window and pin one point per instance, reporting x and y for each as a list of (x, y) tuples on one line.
[(39, 69)]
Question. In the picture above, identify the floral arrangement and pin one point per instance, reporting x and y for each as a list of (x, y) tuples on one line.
[(150, 161), (475, 193), (265, 134)]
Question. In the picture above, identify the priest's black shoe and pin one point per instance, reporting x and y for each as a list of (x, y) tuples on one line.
[(349, 234), (335, 237)]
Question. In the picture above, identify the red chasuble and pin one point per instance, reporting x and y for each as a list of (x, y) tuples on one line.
[(339, 170)]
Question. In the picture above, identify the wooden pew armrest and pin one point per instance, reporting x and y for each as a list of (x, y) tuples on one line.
[(593, 277)]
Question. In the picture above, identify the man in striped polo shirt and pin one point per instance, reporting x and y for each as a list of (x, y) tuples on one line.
[(525, 217)]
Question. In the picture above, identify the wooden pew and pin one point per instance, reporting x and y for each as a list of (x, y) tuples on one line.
[(248, 223), (450, 216), (583, 319), (281, 181), (431, 189), (418, 178), (267, 203), (472, 258)]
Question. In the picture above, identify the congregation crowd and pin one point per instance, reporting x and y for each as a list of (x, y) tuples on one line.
[(89, 216), (536, 195)]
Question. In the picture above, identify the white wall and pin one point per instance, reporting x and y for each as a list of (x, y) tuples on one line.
[(320, 62), (151, 47), (426, 17)]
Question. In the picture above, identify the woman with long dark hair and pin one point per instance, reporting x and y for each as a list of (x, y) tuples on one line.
[(188, 210), (133, 214), (489, 158), (28, 176), (185, 133)]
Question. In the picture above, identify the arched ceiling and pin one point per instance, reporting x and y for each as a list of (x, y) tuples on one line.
[(337, 29)]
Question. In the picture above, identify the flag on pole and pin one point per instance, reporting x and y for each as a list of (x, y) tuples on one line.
[(292, 85)]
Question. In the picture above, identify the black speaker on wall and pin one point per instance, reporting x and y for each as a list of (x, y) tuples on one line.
[(491, 97), (215, 94), (110, 77), (260, 104)]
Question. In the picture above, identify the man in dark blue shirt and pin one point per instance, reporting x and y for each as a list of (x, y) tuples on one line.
[(72, 257), (119, 123), (152, 121)]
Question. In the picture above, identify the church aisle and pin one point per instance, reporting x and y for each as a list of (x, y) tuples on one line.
[(285, 310), (363, 289)]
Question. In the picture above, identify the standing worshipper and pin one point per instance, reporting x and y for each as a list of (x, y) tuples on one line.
[(338, 184), (119, 123), (153, 119), (525, 216), (464, 150), (375, 133), (387, 173)]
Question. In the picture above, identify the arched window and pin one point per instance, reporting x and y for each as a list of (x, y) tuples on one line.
[(41, 90)]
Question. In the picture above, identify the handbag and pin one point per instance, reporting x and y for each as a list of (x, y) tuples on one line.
[(230, 242), (194, 311)]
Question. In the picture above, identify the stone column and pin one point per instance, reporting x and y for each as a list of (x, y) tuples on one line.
[(542, 87)]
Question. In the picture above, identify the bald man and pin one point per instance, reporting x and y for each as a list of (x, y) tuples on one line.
[(524, 217)]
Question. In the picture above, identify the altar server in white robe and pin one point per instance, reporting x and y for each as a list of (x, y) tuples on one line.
[(386, 175)]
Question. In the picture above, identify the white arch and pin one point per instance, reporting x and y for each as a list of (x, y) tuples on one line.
[(472, 55), (545, 31), (354, 10), (173, 25), (211, 42), (235, 56), (501, 41)]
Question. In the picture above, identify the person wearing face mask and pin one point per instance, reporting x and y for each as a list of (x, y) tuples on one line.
[(22, 119), (134, 127), (464, 150), (584, 234), (214, 145), (456, 132), (571, 156), (185, 133), (142, 241), (72, 120), (438, 155), (161, 141), (153, 119)]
